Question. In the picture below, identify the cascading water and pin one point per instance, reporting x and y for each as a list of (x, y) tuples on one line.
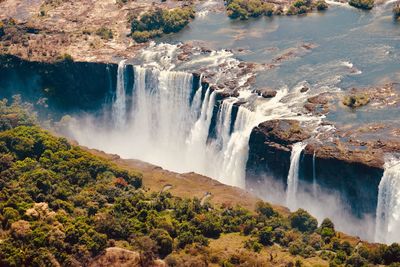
[(166, 120), (119, 106), (293, 176), (314, 176), (235, 156), (387, 226)]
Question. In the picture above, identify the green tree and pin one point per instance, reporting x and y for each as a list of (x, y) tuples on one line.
[(303, 221)]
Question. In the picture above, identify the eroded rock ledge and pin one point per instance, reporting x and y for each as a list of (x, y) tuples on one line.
[(349, 156)]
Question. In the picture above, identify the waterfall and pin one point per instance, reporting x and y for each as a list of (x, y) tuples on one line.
[(234, 157), (119, 106), (387, 226), (293, 176), (164, 121), (199, 132), (314, 176), (224, 119)]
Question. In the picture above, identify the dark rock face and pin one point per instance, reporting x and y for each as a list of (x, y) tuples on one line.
[(356, 180), (66, 85), (270, 147)]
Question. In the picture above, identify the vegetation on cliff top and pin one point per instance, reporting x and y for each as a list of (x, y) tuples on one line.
[(243, 9), (362, 4), (356, 100), (158, 21), (62, 205)]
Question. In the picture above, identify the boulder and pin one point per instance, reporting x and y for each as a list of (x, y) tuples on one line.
[(304, 89), (282, 132), (266, 92)]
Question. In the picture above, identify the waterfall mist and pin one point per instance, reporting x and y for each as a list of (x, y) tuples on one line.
[(325, 204)]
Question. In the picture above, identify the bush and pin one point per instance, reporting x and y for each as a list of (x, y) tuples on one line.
[(356, 261), (153, 23), (16, 114), (327, 230), (296, 247), (265, 236), (2, 32), (362, 4), (105, 33), (391, 254), (243, 9), (321, 5), (356, 100), (265, 209), (163, 240), (327, 223), (176, 19), (65, 58), (144, 36), (303, 221), (269, 9), (253, 245), (235, 10)]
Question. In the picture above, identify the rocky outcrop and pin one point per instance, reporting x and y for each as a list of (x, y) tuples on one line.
[(318, 104), (266, 92), (347, 162), (282, 133)]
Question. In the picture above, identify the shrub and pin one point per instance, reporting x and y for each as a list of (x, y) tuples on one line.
[(299, 3), (65, 58), (235, 10), (296, 247), (327, 223), (356, 261), (356, 100), (1, 29), (265, 209), (340, 257), (346, 247), (176, 19), (105, 33), (269, 9), (16, 114), (163, 240), (303, 221), (142, 37), (209, 225), (243, 9), (255, 8), (321, 5), (253, 245), (391, 254), (153, 23), (327, 230), (362, 4), (265, 236)]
